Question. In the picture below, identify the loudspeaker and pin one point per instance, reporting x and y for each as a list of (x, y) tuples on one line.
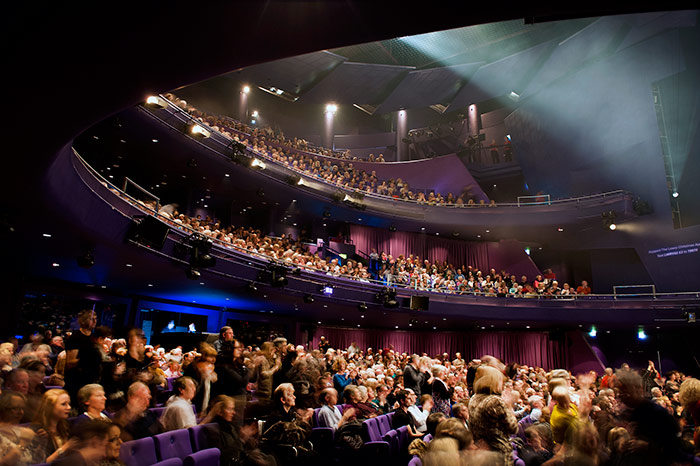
[(420, 303), (149, 231)]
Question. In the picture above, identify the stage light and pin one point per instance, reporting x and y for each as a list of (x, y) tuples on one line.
[(641, 335), (327, 290), (593, 332), (252, 122), (255, 114), (55, 264), (613, 227), (527, 251), (199, 131), (155, 102), (675, 194), (331, 108), (259, 164), (246, 89), (308, 299), (193, 274), (252, 288)]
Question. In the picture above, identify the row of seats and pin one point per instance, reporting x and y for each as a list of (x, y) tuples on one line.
[(187, 445)]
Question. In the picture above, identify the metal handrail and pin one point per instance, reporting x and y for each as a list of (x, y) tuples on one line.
[(224, 247)]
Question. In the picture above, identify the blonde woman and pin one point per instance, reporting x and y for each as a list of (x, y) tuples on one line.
[(51, 425)]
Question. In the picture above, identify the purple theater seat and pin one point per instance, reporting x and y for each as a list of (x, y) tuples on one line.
[(390, 416), (428, 438), (415, 461), (170, 381), (170, 462), (371, 451), (198, 436), (141, 452), (404, 439), (371, 429), (173, 444), (208, 457), (392, 439), (384, 424), (157, 411)]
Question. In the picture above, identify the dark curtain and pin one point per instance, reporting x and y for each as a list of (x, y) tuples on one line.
[(533, 349), (433, 248)]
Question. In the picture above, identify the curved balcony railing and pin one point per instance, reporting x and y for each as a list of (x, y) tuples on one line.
[(232, 253), (224, 144)]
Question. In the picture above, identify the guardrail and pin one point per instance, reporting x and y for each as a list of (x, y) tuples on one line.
[(238, 255)]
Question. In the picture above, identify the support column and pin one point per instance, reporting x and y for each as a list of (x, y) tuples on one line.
[(402, 150), (243, 104), (329, 120)]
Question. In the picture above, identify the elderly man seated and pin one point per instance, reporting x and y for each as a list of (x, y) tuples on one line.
[(329, 415), (179, 414), (135, 419)]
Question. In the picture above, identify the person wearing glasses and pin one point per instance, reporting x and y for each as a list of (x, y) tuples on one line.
[(15, 441)]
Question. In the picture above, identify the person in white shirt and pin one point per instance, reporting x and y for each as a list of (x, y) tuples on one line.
[(329, 415), (420, 414), (178, 413)]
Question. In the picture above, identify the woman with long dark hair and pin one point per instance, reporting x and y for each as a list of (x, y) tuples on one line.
[(233, 377)]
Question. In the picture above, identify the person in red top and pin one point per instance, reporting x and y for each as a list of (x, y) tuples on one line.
[(583, 288), (607, 380)]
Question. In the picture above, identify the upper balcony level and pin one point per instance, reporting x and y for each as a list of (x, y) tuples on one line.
[(292, 172)]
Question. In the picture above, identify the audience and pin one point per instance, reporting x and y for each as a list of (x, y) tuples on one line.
[(594, 420)]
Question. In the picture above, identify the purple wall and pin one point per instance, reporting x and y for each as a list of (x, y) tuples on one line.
[(510, 255), (582, 358), (444, 174)]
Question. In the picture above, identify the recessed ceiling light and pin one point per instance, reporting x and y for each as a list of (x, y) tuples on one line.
[(123, 141), (46, 235), (325, 305), (227, 175), (228, 299), (359, 219), (358, 325), (444, 318), (560, 229), (324, 224), (342, 318), (488, 231), (437, 234), (527, 326), (95, 137), (129, 265), (422, 228), (55, 264), (478, 236), (362, 317), (103, 286), (150, 284), (201, 283), (156, 140)]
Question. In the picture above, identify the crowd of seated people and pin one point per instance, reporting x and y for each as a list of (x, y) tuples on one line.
[(455, 411), (338, 173), (408, 271)]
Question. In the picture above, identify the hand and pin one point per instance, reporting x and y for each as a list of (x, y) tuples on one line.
[(305, 414), (349, 412)]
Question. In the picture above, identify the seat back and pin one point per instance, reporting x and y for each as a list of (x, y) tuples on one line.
[(173, 444), (371, 429), (141, 452), (415, 461), (198, 436), (428, 438), (404, 439), (392, 438), (169, 462), (315, 418), (157, 411), (208, 457), (384, 424)]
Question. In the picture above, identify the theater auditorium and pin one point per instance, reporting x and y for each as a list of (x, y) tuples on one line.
[(292, 233)]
